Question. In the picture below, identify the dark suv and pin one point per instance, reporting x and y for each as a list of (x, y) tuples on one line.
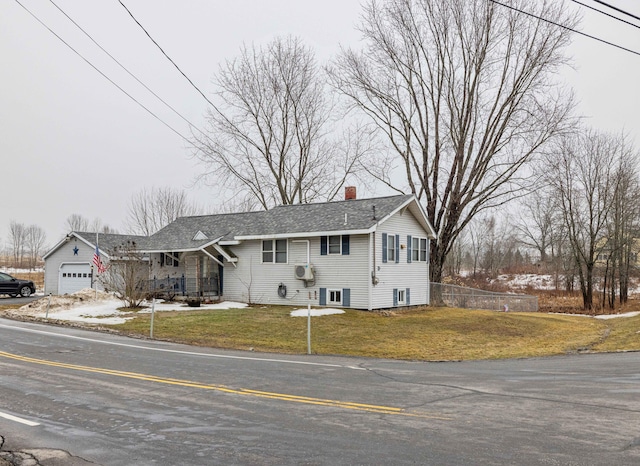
[(14, 286)]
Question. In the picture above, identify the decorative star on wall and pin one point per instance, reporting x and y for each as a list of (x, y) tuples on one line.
[(75, 250)]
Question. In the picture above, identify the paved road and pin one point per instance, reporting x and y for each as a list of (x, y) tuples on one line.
[(8, 300), (117, 401)]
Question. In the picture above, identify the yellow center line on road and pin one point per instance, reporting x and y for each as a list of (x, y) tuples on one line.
[(222, 388)]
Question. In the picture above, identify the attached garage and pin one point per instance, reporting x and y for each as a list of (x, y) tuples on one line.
[(74, 277)]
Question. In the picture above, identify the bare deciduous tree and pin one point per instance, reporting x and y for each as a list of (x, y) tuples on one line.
[(462, 90), (622, 226), (269, 138), (35, 238), (127, 274), (152, 209), (18, 238), (582, 172), (538, 215), (78, 222)]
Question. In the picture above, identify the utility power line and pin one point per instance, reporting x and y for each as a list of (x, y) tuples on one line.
[(125, 69), (606, 14), (566, 27), (619, 10), (167, 56), (101, 73)]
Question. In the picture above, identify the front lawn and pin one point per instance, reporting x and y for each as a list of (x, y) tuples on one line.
[(421, 334)]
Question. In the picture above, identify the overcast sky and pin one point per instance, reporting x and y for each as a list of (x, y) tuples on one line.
[(72, 142)]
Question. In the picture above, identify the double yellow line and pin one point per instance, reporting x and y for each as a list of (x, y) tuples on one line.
[(222, 388)]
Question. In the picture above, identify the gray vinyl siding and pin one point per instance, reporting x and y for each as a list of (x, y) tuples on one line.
[(64, 255), (254, 281), (400, 275)]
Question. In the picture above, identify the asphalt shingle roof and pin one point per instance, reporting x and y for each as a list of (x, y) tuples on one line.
[(108, 241), (286, 219)]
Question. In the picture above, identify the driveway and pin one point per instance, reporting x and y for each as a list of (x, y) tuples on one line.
[(6, 300)]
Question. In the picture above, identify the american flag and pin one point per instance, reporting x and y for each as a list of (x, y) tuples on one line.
[(98, 262)]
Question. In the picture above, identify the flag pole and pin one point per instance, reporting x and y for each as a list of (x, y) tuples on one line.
[(95, 285)]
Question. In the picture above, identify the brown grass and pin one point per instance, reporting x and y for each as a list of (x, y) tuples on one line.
[(420, 334)]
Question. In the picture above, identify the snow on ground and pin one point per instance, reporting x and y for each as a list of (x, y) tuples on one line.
[(528, 280), (534, 281), (91, 307), (613, 316), (12, 270), (315, 312)]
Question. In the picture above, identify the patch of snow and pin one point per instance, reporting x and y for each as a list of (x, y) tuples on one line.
[(176, 306), (527, 280), (614, 316), (315, 312), (12, 270), (98, 312), (93, 307), (602, 317)]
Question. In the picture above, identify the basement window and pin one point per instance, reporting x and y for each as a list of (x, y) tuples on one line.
[(334, 297)]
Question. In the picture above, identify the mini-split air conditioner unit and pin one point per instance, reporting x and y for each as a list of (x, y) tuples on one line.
[(303, 271)]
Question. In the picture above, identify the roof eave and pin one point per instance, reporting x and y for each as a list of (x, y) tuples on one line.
[(304, 234)]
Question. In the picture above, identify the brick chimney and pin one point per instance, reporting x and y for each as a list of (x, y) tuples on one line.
[(349, 193)]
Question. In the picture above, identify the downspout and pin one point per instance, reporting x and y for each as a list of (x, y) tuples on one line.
[(372, 269)]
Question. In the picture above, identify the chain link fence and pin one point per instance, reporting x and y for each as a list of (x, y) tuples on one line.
[(471, 298)]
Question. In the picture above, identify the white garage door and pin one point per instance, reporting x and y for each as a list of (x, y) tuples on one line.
[(74, 277)]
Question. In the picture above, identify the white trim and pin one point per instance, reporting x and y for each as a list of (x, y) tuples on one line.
[(199, 236), (414, 250), (339, 253), (68, 239), (418, 212), (172, 249), (371, 273), (306, 234), (212, 257), (224, 254), (64, 240), (402, 291), (230, 243), (73, 263), (273, 251), (334, 290)]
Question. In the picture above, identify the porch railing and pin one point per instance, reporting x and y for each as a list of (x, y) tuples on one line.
[(182, 286)]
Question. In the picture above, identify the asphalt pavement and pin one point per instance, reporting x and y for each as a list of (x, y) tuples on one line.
[(111, 400), (6, 300)]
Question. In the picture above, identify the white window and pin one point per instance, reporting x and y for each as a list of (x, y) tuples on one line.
[(334, 296), (419, 249), (335, 244), (391, 248), (401, 297), (267, 251), (274, 251)]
